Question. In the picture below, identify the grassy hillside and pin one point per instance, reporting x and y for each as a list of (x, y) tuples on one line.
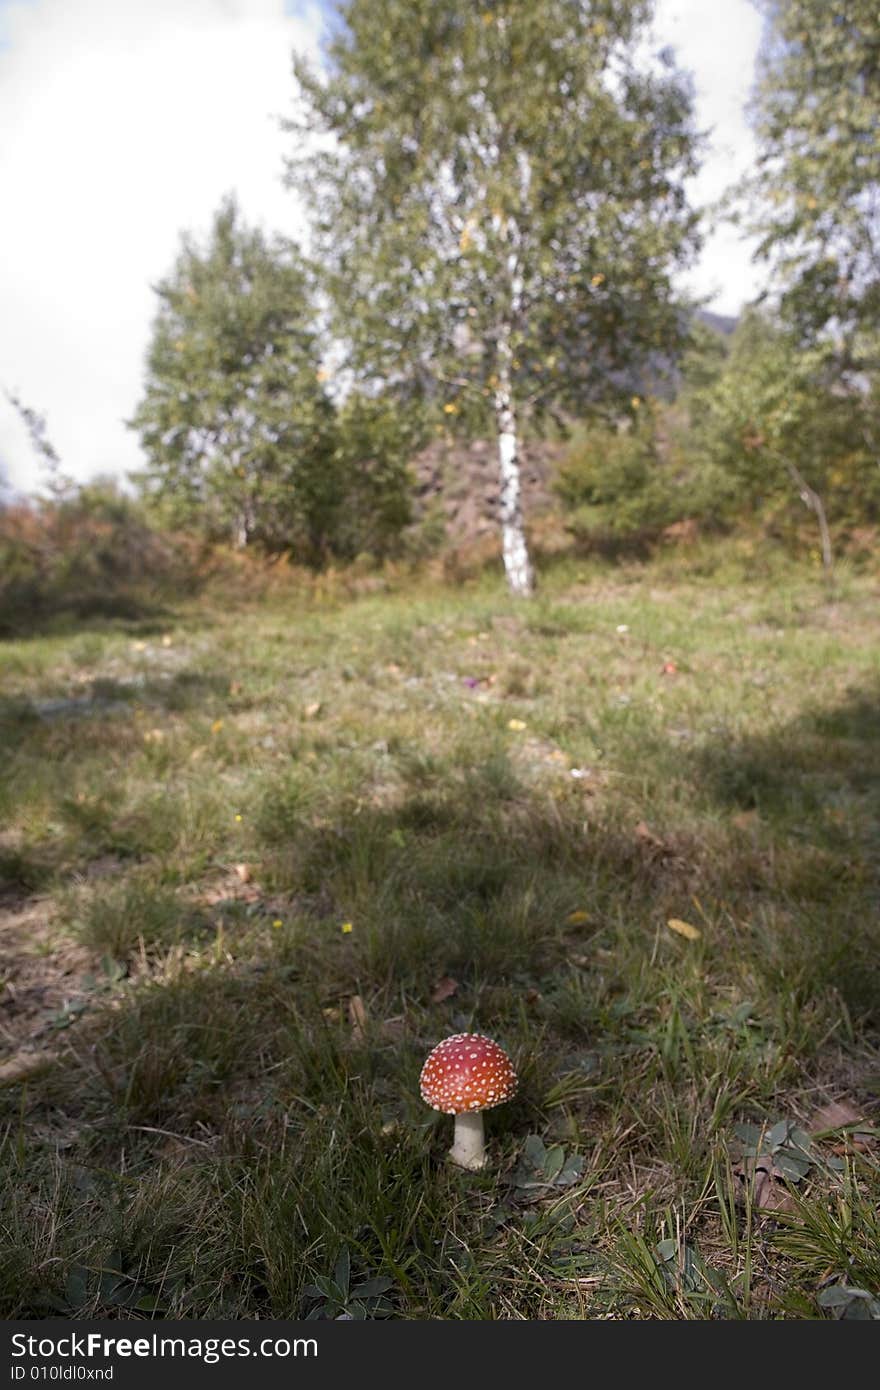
[(261, 857)]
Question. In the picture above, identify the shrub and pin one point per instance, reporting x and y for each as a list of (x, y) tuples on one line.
[(88, 552)]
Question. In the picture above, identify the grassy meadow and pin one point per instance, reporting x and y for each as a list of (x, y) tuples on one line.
[(260, 855)]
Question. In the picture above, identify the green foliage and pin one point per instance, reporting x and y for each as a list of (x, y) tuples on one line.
[(611, 481), (497, 217), (237, 427), (375, 442), (761, 426), (818, 126), (242, 438), (773, 406)]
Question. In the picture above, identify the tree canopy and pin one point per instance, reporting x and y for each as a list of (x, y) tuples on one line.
[(817, 116), (499, 207), (237, 426)]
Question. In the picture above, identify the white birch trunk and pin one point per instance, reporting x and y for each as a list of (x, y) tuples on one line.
[(517, 565)]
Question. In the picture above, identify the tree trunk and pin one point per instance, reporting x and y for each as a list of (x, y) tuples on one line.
[(811, 499), (517, 564), (244, 527)]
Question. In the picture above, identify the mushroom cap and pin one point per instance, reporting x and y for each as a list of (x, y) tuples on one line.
[(467, 1072)]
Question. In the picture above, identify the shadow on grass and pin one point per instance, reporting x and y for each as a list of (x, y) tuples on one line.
[(809, 793), (824, 764), (102, 613)]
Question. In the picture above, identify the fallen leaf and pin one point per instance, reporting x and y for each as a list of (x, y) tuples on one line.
[(834, 1115), (216, 726), (516, 725), (244, 872), (22, 1064), (643, 832), (311, 711), (766, 1182), (357, 1017), (839, 1114), (683, 928), (444, 989), (577, 918), (166, 640), (651, 841), (332, 1015)]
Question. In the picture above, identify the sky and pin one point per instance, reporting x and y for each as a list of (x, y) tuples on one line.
[(124, 122)]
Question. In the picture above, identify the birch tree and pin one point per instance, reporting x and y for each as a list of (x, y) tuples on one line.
[(498, 200), (237, 428), (817, 186)]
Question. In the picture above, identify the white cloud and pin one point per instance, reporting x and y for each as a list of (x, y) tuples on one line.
[(120, 125), (123, 122), (717, 40)]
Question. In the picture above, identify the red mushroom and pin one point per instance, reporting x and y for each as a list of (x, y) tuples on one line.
[(463, 1076)]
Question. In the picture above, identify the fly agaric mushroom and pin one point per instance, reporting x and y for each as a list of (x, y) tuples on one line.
[(463, 1076)]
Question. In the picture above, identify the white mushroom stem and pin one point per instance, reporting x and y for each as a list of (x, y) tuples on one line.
[(468, 1146)]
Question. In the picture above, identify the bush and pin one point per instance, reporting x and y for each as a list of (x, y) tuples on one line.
[(776, 418), (631, 482), (88, 552)]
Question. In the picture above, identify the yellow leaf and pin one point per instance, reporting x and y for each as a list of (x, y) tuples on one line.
[(450, 408), (683, 929), (216, 726), (516, 724), (577, 919), (597, 281)]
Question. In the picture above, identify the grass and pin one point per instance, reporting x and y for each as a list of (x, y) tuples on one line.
[(216, 1112)]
